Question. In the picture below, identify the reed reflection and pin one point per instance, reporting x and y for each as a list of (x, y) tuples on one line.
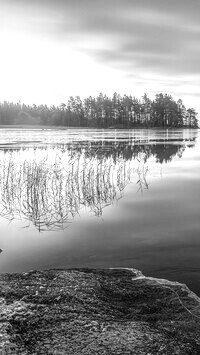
[(48, 187)]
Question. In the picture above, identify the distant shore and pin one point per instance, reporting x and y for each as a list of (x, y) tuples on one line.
[(38, 126), (103, 112), (96, 311)]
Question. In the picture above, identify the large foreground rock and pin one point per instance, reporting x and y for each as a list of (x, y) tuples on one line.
[(85, 311)]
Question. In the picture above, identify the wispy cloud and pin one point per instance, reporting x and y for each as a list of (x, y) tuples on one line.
[(135, 36)]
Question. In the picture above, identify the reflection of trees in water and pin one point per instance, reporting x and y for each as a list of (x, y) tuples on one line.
[(49, 187), (128, 150)]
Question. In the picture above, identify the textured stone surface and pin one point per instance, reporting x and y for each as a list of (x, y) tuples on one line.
[(96, 311)]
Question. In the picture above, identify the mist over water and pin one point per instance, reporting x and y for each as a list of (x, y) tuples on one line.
[(108, 198)]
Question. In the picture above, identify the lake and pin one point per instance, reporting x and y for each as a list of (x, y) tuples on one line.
[(101, 198)]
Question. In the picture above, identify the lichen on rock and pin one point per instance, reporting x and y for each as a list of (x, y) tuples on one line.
[(96, 311)]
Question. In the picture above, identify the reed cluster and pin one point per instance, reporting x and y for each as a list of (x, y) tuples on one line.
[(49, 191)]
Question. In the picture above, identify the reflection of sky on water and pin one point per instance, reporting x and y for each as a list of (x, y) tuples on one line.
[(59, 136), (156, 231)]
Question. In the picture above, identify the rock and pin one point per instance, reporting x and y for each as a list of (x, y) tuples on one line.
[(97, 311)]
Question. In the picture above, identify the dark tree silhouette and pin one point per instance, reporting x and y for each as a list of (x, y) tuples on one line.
[(103, 112)]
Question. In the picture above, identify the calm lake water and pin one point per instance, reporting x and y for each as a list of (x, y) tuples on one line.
[(101, 198)]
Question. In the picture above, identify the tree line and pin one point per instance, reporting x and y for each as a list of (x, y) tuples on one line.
[(103, 112)]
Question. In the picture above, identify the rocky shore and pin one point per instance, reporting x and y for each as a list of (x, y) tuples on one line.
[(96, 311)]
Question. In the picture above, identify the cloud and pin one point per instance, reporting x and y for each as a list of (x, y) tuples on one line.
[(138, 37), (161, 36)]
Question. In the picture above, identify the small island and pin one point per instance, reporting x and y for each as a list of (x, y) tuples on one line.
[(97, 311), (103, 112)]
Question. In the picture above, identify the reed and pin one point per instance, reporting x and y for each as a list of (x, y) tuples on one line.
[(48, 191)]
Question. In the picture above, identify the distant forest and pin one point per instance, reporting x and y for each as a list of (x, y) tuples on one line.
[(103, 112)]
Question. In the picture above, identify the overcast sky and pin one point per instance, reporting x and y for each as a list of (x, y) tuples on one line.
[(51, 49)]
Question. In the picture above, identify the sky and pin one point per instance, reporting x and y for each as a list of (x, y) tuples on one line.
[(52, 49)]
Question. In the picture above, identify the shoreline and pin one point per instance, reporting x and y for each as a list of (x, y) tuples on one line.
[(96, 311), (43, 127)]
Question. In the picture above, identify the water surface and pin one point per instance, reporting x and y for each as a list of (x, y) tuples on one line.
[(101, 198)]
